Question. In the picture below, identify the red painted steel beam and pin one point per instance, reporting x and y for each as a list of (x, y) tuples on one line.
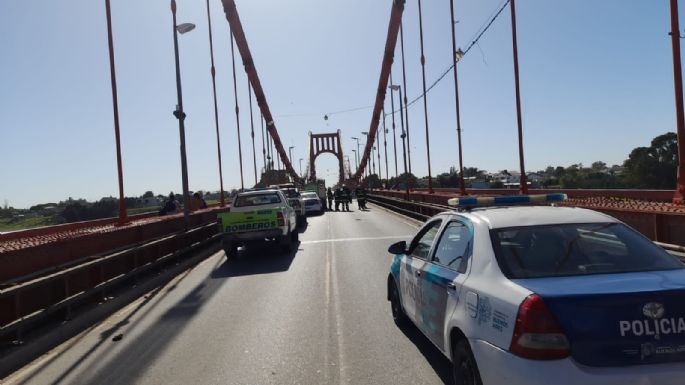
[(679, 196), (390, 43), (241, 41)]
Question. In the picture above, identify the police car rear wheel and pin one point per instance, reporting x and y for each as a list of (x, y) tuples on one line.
[(464, 368), (396, 306)]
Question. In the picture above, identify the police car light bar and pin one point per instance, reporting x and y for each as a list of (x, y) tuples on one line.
[(505, 200)]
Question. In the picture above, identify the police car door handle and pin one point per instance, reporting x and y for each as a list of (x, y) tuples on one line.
[(451, 286)]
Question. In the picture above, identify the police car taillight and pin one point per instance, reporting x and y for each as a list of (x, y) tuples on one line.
[(537, 334), (280, 218)]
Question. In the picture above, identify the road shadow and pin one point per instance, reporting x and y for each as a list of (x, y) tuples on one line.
[(258, 259), (440, 364), (303, 228), (130, 364)]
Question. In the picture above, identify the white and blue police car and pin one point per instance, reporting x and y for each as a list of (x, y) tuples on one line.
[(525, 295)]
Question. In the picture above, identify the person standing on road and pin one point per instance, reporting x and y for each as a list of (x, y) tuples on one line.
[(338, 198), (361, 198), (329, 195), (345, 198)]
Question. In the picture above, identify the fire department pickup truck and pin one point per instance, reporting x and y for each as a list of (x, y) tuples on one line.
[(258, 216)]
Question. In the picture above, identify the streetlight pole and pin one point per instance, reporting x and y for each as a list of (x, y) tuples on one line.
[(385, 144), (456, 57), (356, 160), (378, 151), (301, 166), (356, 153), (367, 169), (180, 115), (679, 195), (523, 181), (394, 137), (404, 134), (290, 153), (266, 167), (115, 105)]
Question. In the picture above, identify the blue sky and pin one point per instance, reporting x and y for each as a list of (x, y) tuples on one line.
[(596, 81)]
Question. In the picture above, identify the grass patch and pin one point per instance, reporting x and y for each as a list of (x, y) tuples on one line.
[(143, 210), (12, 224)]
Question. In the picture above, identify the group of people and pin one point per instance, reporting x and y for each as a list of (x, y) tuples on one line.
[(343, 196), (173, 206)]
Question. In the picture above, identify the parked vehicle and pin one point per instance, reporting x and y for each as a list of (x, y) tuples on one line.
[(258, 216), (312, 202), (295, 200), (542, 295)]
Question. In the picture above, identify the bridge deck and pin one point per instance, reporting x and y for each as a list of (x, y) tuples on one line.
[(315, 316)]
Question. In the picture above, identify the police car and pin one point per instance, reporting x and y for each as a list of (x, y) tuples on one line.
[(542, 295)]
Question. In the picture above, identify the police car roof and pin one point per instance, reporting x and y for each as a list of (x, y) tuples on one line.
[(514, 216)]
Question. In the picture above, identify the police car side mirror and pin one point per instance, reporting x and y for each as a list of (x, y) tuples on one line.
[(398, 248)]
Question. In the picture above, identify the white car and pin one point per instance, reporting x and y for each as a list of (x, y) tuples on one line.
[(312, 203), (542, 295)]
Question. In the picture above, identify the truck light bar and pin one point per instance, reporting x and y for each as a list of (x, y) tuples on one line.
[(505, 200)]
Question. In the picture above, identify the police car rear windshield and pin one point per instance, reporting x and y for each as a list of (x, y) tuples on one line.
[(577, 249), (257, 199)]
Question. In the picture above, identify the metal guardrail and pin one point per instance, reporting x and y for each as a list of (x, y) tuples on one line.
[(417, 210), (189, 241), (423, 211)]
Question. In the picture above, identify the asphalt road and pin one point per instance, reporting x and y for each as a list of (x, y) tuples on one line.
[(315, 316)]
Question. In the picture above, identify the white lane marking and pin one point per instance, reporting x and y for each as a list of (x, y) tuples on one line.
[(354, 239), (342, 363)]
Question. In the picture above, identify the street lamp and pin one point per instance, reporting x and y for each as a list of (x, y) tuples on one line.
[(301, 167), (394, 137), (356, 159), (356, 153), (179, 114), (397, 87), (290, 153)]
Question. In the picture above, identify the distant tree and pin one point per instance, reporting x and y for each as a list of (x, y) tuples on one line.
[(559, 172), (654, 166), (75, 211), (473, 172), (372, 181), (401, 180), (599, 166), (149, 194), (447, 180)]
